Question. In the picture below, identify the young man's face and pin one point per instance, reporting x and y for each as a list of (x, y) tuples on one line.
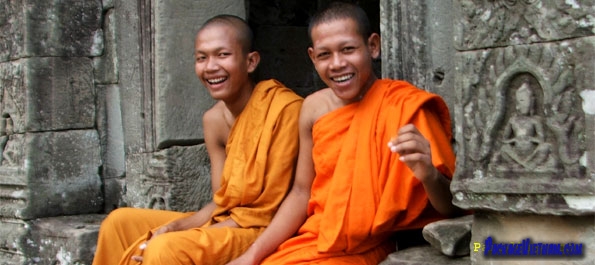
[(220, 62), (343, 59)]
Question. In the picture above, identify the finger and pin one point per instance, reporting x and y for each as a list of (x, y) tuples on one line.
[(408, 128), (137, 258), (411, 146)]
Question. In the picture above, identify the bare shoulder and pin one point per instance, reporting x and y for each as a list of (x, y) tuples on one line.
[(215, 123), (317, 104)]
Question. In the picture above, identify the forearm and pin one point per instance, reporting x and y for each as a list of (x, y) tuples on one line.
[(198, 219), (438, 190), (290, 216)]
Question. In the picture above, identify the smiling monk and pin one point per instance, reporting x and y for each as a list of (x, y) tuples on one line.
[(251, 135), (375, 156)]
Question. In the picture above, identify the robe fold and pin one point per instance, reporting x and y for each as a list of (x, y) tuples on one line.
[(261, 154), (362, 193)]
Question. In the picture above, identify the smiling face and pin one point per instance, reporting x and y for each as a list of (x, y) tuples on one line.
[(343, 58), (221, 63)]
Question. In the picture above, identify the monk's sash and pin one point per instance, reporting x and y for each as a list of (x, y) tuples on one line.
[(261, 154), (362, 192)]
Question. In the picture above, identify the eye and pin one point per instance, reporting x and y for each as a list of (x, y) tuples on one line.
[(200, 58), (224, 54), (348, 49), (323, 55)]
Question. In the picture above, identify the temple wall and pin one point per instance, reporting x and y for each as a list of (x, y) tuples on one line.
[(100, 109)]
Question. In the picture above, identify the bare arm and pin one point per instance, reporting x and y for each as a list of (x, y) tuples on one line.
[(292, 212)]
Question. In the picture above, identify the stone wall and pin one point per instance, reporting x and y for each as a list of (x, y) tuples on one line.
[(100, 109), (524, 124)]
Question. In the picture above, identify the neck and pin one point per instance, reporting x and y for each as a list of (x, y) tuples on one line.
[(237, 104)]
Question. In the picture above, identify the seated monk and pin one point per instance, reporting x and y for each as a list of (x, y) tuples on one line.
[(352, 192), (252, 141)]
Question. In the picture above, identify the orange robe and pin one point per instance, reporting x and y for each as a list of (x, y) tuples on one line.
[(261, 153), (362, 193)]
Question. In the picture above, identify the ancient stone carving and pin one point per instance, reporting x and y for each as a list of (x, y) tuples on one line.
[(518, 114), (524, 147), (507, 22)]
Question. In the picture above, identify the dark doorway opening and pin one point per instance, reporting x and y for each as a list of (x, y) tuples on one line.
[(280, 28)]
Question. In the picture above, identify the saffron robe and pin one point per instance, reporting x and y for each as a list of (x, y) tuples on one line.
[(362, 193), (261, 154)]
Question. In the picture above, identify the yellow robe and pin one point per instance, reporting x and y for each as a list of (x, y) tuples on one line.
[(362, 193), (261, 154)]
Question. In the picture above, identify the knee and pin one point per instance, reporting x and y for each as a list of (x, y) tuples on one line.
[(160, 251), (116, 217)]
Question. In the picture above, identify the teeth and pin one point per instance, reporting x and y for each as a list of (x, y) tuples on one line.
[(343, 78), (216, 80)]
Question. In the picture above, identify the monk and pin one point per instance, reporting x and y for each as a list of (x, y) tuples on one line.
[(375, 156), (251, 135)]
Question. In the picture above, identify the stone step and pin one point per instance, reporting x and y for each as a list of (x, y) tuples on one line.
[(65, 240)]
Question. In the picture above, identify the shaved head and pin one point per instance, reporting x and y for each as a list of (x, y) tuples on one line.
[(340, 10), (244, 33)]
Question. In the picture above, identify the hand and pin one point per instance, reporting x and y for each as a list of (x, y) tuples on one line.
[(159, 231), (414, 150)]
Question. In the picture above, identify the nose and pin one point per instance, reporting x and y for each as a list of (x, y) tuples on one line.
[(212, 64), (337, 61)]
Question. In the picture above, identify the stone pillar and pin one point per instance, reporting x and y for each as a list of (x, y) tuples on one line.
[(525, 124), (50, 152), (417, 44)]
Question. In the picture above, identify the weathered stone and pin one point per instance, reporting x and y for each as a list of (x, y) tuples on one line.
[(496, 168), (107, 4), (134, 72), (450, 236), (62, 240), (111, 136), (11, 33), (106, 66), (50, 174), (180, 97), (177, 178), (12, 96), (62, 28), (512, 228), (14, 232), (485, 24), (423, 255), (60, 94), (417, 44)]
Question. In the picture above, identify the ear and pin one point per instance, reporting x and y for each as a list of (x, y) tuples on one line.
[(253, 61), (374, 45), (311, 53)]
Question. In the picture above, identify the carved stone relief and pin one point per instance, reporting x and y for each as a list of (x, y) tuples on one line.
[(519, 118), (494, 23)]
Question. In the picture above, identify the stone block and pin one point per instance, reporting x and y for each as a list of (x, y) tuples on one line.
[(50, 174), (177, 178), (485, 24), (14, 232), (106, 66), (545, 229), (525, 137), (423, 255), (51, 93), (451, 236), (11, 33), (63, 240), (62, 28)]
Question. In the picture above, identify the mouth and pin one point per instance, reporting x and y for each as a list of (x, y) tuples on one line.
[(342, 78), (218, 80)]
